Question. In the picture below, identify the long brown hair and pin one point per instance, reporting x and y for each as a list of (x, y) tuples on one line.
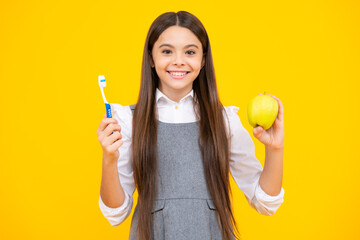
[(213, 139)]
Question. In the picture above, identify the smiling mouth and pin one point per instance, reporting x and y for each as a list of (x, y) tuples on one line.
[(178, 74)]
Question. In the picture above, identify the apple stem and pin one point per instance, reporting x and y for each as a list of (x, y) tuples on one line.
[(264, 93)]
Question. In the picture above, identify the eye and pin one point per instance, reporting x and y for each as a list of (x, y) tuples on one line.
[(166, 51), (191, 52)]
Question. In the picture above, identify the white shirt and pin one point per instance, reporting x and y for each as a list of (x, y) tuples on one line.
[(244, 167)]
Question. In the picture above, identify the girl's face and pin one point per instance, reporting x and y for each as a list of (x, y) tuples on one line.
[(178, 58)]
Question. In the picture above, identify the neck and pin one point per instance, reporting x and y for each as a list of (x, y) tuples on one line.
[(174, 94)]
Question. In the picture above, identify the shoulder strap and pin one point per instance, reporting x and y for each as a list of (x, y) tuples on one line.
[(132, 107)]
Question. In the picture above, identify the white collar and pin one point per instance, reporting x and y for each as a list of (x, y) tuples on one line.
[(160, 95)]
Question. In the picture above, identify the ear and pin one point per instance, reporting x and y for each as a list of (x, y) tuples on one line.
[(203, 61), (151, 60)]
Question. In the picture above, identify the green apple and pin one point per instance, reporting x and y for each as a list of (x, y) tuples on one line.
[(262, 111)]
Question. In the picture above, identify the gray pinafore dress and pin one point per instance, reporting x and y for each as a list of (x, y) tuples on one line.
[(183, 208)]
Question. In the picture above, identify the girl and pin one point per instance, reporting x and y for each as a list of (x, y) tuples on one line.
[(178, 144)]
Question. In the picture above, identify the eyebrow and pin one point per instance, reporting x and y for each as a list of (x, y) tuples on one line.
[(187, 46)]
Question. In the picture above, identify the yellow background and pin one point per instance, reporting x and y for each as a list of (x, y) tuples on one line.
[(51, 53)]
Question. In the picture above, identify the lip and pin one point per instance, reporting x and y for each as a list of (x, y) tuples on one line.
[(178, 77)]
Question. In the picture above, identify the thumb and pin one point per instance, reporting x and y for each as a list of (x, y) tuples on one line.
[(257, 131), (112, 110)]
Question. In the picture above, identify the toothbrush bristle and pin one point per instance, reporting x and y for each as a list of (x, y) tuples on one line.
[(102, 81)]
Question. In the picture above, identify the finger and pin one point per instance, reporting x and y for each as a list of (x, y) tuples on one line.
[(117, 144), (281, 108), (100, 126), (105, 122), (113, 138), (257, 131), (114, 146), (111, 128)]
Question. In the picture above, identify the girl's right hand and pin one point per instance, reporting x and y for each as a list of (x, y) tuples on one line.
[(110, 142)]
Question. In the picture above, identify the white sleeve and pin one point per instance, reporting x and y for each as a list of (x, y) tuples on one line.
[(117, 215), (246, 169)]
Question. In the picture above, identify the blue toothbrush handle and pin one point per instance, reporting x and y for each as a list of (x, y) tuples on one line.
[(108, 110)]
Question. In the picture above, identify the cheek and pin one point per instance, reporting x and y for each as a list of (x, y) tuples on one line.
[(196, 64), (162, 63)]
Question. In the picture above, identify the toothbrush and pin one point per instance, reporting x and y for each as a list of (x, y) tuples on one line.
[(102, 83)]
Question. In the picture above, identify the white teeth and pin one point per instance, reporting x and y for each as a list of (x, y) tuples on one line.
[(177, 73)]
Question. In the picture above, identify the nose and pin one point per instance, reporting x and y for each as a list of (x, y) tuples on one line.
[(178, 59)]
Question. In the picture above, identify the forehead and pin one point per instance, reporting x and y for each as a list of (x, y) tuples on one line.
[(178, 36)]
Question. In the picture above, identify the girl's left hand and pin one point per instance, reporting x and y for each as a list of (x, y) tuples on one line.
[(273, 138)]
